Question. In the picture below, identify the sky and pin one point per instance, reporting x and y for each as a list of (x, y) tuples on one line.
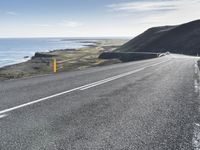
[(91, 18)]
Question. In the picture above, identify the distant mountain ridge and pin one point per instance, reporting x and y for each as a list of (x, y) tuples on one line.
[(184, 39)]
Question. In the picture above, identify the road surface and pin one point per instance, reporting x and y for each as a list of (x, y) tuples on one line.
[(144, 105)]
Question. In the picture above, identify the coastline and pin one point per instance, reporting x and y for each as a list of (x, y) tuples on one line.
[(67, 59), (18, 50)]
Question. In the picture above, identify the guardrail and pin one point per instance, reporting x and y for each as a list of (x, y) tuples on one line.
[(128, 56), (123, 56), (131, 56)]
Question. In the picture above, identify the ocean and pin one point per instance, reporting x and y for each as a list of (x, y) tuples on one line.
[(14, 50)]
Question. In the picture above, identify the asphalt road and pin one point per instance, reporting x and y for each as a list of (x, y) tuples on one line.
[(144, 105)]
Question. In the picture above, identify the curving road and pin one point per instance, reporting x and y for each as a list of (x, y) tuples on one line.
[(143, 105)]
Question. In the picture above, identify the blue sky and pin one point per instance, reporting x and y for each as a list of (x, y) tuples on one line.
[(91, 18)]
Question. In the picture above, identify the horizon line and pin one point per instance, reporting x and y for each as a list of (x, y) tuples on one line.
[(73, 37)]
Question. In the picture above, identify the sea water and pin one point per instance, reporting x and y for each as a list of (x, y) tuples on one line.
[(16, 50)]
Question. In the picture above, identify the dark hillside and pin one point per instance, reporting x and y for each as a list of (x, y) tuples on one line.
[(184, 39)]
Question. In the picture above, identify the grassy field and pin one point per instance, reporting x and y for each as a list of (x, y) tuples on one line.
[(76, 59)]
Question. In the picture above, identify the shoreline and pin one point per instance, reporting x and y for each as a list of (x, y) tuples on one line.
[(21, 50), (87, 44), (72, 59)]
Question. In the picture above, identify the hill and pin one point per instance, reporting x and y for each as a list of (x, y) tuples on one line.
[(183, 39)]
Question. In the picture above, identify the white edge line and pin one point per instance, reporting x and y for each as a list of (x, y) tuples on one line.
[(78, 88), (2, 116)]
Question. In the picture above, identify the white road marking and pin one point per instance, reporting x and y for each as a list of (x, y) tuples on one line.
[(196, 86), (36, 101), (196, 79), (2, 116), (196, 133), (111, 79), (196, 137), (196, 68), (79, 88)]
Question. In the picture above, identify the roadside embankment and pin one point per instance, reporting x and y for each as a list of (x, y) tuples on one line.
[(71, 59)]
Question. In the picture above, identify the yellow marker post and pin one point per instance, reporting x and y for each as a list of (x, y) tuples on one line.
[(54, 65)]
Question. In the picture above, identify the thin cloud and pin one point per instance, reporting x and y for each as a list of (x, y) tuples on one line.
[(42, 25), (144, 6), (72, 24), (141, 15), (12, 13)]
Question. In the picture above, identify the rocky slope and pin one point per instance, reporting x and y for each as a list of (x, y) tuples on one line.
[(184, 39)]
